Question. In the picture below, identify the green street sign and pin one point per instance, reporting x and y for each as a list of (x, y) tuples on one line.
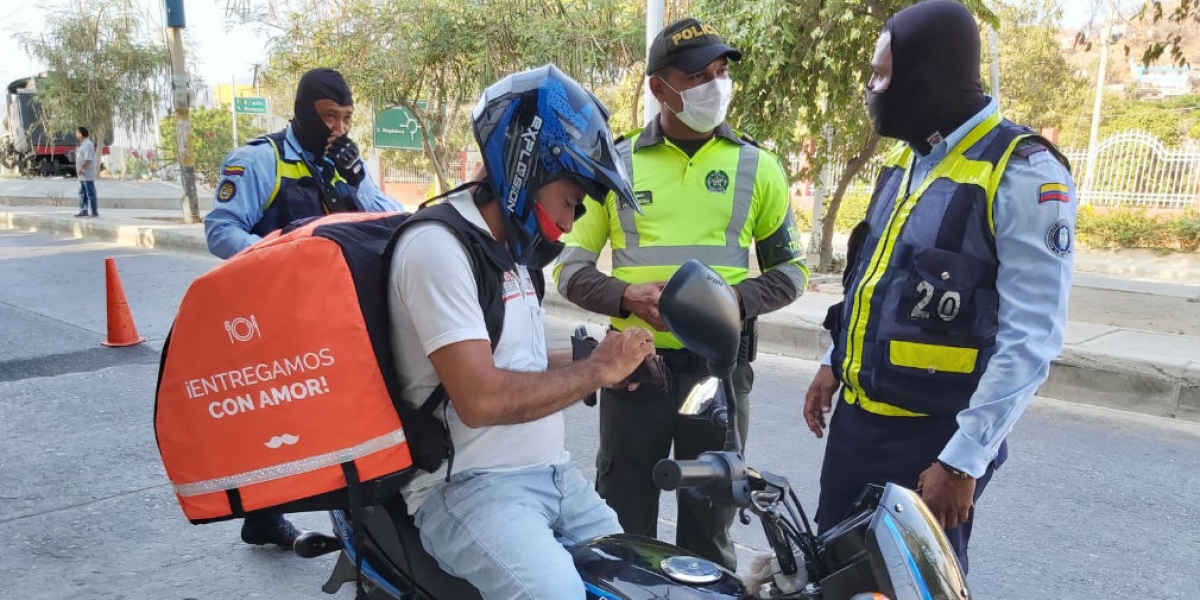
[(250, 105), (397, 128)]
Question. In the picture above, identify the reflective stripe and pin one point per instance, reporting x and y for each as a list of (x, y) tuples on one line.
[(573, 254), (932, 357), (626, 215), (563, 275), (852, 396), (955, 163), (743, 193), (794, 272), (997, 175), (297, 467), (660, 256)]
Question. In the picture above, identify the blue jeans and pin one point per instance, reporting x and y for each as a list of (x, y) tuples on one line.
[(87, 195), (506, 533)]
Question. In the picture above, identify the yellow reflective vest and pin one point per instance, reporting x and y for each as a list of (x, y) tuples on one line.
[(712, 206)]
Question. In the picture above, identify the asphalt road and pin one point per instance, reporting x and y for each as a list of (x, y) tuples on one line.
[(1093, 502)]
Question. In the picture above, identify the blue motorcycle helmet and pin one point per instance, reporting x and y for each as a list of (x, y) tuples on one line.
[(538, 126)]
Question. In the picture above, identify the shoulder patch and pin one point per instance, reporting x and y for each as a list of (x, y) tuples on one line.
[(226, 190), (1058, 238), (233, 170), (1028, 147), (1053, 192)]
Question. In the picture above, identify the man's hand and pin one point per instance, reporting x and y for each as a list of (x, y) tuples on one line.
[(819, 399), (642, 300), (948, 496), (344, 154), (621, 352)]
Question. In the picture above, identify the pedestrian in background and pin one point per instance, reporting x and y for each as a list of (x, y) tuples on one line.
[(85, 170)]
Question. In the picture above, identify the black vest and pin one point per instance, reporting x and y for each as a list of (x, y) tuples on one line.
[(298, 193)]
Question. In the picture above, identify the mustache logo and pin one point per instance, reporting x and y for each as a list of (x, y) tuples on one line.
[(279, 440)]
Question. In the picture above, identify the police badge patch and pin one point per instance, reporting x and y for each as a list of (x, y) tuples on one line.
[(717, 181), (226, 191), (1058, 238)]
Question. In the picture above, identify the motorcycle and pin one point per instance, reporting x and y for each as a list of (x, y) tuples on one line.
[(889, 547)]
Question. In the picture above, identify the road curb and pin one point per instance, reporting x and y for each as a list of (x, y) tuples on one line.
[(151, 237)]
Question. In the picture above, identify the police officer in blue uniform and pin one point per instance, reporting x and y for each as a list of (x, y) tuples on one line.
[(956, 282), (311, 168)]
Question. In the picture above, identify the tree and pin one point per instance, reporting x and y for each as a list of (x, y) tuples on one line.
[(1038, 88), (807, 62), (103, 68), (1184, 17), (443, 52), (212, 139)]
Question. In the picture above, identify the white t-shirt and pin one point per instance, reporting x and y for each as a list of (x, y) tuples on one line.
[(433, 302), (85, 152)]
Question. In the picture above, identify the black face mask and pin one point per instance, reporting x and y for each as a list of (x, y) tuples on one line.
[(307, 125), (935, 85)]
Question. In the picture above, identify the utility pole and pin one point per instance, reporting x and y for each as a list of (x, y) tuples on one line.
[(233, 109), (1094, 137), (654, 24), (994, 51), (181, 93)]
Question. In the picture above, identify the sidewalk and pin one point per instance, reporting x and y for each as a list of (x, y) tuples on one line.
[(1127, 369)]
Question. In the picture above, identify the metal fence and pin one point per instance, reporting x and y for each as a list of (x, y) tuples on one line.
[(395, 174), (1133, 168)]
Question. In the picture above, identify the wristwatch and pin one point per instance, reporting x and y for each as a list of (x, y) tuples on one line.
[(955, 472)]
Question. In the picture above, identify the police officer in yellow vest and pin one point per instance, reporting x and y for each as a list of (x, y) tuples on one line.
[(706, 193), (956, 282), (309, 169)]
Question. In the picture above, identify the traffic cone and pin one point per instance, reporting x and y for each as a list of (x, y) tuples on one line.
[(121, 330)]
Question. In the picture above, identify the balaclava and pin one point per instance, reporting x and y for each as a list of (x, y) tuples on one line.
[(317, 84), (935, 83)]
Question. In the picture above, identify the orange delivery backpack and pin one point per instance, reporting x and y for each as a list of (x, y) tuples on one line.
[(277, 389)]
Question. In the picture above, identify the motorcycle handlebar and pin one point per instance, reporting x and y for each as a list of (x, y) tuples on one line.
[(673, 474)]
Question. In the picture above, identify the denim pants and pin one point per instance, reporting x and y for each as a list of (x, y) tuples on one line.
[(87, 195), (507, 533)]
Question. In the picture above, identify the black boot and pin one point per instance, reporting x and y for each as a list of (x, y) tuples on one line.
[(269, 529)]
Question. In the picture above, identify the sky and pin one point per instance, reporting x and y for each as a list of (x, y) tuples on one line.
[(222, 53)]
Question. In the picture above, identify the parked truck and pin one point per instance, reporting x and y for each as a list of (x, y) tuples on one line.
[(25, 144)]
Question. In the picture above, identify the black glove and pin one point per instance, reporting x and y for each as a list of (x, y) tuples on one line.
[(652, 373), (344, 154)]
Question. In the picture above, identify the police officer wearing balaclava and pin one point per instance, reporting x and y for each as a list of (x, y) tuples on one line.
[(310, 168), (709, 193), (956, 282)]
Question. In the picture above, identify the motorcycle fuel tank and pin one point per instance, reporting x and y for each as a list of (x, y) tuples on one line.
[(632, 567)]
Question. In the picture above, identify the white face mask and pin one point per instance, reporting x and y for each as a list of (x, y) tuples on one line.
[(704, 106)]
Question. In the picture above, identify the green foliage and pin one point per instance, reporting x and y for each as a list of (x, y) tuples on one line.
[(444, 52), (1136, 228), (1183, 15), (1038, 88), (1172, 121), (104, 69), (212, 139)]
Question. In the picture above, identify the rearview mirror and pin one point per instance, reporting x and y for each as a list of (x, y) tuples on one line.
[(700, 397), (702, 311)]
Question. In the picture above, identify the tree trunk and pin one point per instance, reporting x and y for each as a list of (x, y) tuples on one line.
[(852, 168)]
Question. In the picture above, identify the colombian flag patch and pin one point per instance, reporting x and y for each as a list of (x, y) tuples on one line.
[(1053, 192), (232, 170)]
